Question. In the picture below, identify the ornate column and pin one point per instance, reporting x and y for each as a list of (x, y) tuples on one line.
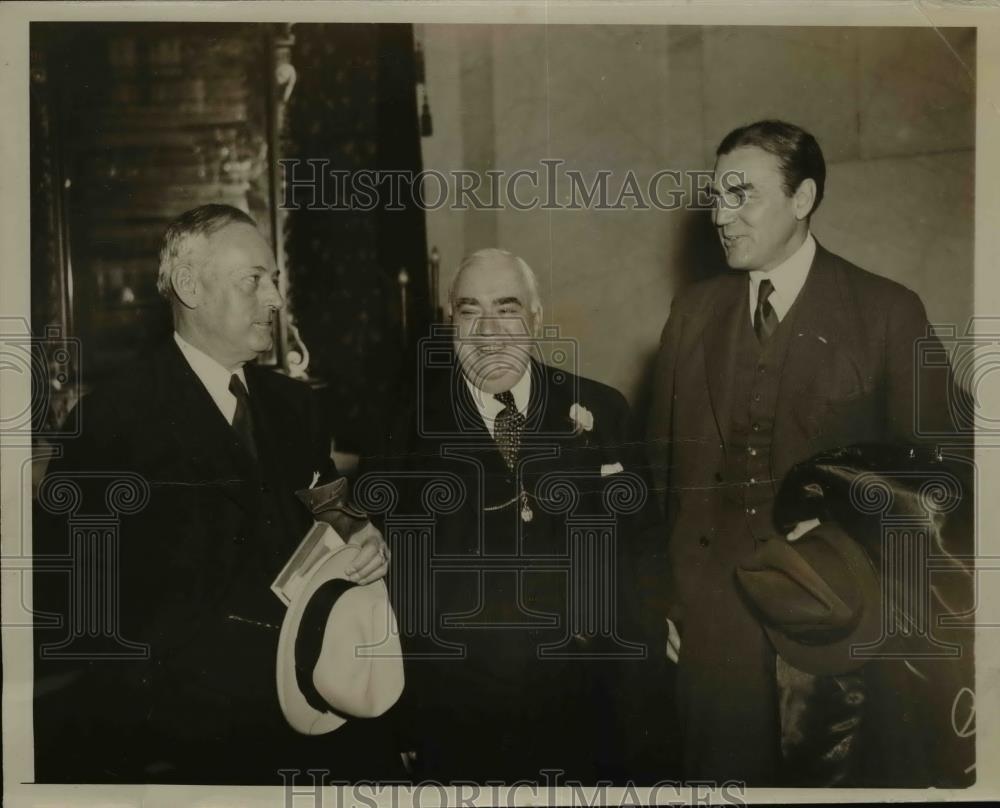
[(293, 355), (907, 561), (91, 564), (410, 537), (592, 625), (57, 361)]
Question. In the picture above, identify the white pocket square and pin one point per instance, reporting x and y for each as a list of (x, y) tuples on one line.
[(802, 528), (611, 468)]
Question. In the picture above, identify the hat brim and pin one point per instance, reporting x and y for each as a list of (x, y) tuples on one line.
[(299, 713), (839, 656)]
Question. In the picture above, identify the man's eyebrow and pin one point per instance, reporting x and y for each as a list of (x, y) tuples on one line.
[(506, 301), (466, 301), (739, 186)]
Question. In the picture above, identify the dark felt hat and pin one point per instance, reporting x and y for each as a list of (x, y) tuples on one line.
[(817, 598)]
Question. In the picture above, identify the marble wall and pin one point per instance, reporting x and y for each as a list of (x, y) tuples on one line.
[(892, 108)]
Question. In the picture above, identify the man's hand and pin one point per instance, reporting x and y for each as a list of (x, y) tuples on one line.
[(372, 562), (673, 642)]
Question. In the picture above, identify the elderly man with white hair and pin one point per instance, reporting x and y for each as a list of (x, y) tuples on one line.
[(521, 664), (222, 445)]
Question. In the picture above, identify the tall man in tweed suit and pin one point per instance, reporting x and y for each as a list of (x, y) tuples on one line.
[(794, 352)]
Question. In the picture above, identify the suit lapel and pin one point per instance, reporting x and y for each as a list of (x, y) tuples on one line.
[(721, 347), (268, 412), (286, 456), (550, 443), (452, 419), (467, 411), (203, 435), (546, 417), (550, 402), (824, 334)]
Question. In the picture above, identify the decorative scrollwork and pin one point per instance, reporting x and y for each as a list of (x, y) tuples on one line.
[(557, 494), (443, 495), (941, 494), (124, 492), (297, 356), (285, 77), (129, 493), (870, 494), (374, 493), (625, 493), (58, 494)]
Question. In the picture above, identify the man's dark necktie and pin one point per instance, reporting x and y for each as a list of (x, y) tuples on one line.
[(765, 319), (507, 428), (242, 418)]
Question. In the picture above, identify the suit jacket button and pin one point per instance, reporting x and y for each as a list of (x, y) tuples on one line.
[(703, 541)]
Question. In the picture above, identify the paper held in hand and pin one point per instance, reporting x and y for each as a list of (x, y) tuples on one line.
[(336, 521), (319, 542)]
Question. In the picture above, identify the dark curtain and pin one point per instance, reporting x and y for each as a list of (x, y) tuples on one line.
[(354, 105)]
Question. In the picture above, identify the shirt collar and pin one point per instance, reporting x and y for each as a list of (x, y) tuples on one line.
[(214, 376), (788, 278), (489, 408)]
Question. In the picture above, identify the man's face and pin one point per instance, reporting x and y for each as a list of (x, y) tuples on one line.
[(491, 309), (758, 224), (238, 295)]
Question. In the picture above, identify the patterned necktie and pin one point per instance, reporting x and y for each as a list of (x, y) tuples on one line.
[(765, 319), (507, 428), (242, 419)]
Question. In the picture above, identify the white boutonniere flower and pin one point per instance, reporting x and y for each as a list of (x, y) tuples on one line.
[(582, 418)]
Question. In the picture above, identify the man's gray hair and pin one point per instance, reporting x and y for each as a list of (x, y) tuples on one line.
[(183, 234), (488, 255)]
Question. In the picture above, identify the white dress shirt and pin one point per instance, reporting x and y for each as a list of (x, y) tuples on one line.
[(489, 408), (214, 376), (788, 279)]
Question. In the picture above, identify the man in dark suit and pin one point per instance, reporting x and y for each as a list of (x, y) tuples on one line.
[(210, 449), (519, 502), (794, 352)]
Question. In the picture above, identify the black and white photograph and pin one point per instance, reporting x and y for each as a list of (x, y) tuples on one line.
[(467, 404)]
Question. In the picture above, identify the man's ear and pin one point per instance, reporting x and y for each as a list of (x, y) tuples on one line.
[(536, 322), (803, 199), (185, 285)]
